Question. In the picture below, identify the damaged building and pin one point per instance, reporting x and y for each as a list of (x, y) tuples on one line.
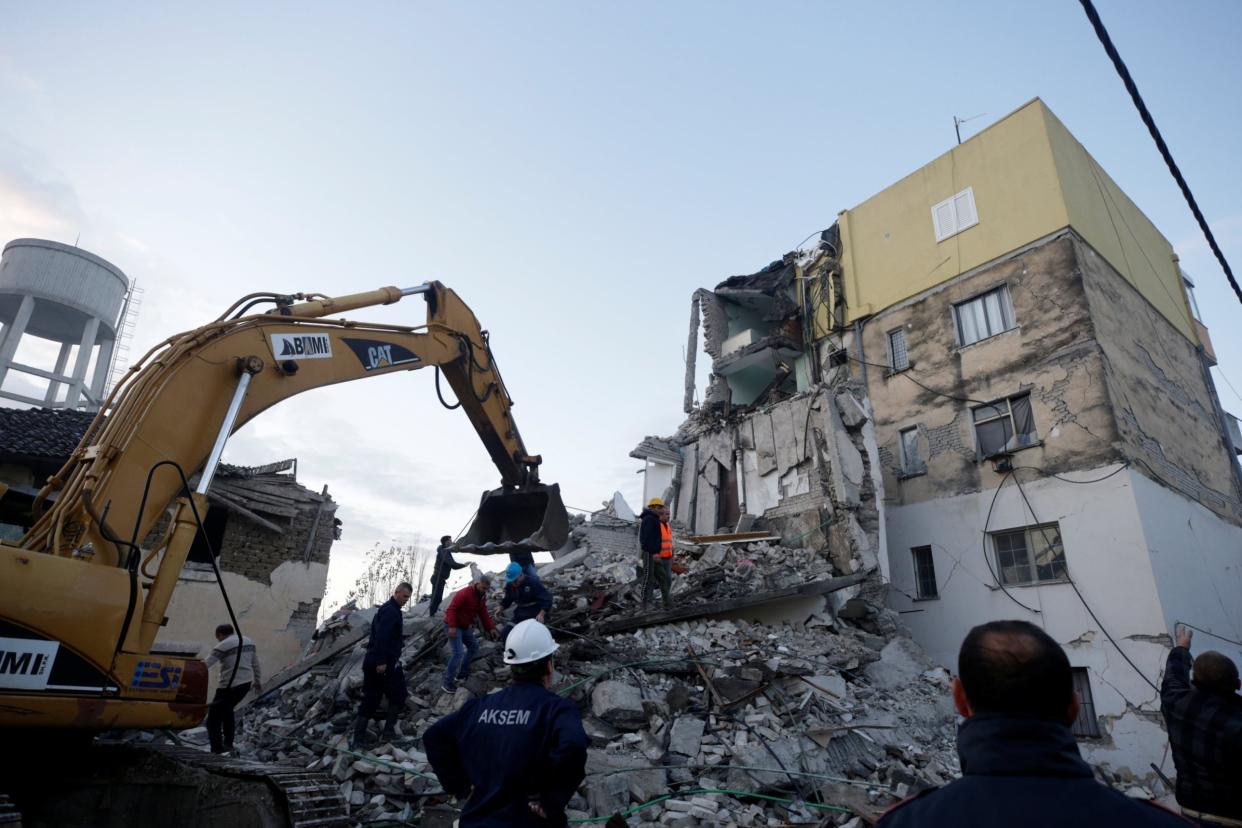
[(271, 537), (988, 383)]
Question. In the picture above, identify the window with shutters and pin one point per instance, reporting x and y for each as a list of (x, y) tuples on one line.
[(924, 573), (898, 357), (911, 462), (987, 314), (1005, 425), (1032, 555), (1086, 726), (953, 215)]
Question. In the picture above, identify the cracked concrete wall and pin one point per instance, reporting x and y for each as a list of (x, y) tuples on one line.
[(1166, 416), (806, 470), (1107, 552), (1051, 353)]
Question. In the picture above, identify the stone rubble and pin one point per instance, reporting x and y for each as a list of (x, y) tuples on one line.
[(833, 721)]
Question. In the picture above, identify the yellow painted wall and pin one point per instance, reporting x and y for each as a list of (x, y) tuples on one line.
[(1030, 178), (1117, 229)]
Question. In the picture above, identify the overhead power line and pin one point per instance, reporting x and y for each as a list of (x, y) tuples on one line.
[(1120, 66)]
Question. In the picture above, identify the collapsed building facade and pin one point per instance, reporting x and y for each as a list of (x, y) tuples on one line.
[(988, 383), (270, 535)]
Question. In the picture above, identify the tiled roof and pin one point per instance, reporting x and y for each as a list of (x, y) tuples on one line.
[(51, 433)]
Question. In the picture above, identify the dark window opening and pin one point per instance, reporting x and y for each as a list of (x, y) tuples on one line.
[(1086, 726), (924, 572), (1005, 425), (217, 518)]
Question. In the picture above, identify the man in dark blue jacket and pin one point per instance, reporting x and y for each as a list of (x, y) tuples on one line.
[(440, 572), (1204, 719), (516, 757), (527, 595), (381, 668), (1020, 764)]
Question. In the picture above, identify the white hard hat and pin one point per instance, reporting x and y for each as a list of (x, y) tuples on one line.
[(528, 641)]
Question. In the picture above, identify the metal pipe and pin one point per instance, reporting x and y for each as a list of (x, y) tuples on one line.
[(425, 287), (226, 428)]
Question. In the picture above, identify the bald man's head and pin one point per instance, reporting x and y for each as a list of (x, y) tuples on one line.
[(1016, 668), (1215, 673)]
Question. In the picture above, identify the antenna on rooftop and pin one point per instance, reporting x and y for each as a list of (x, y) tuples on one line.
[(957, 124)]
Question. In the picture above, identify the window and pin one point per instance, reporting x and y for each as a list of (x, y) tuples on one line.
[(1005, 426), (898, 358), (924, 573), (1086, 725), (986, 315), (1030, 556), (953, 215), (911, 462), (1190, 295)]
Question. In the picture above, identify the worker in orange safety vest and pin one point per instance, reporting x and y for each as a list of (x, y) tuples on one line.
[(655, 538)]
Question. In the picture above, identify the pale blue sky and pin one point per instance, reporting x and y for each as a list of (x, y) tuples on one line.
[(574, 170)]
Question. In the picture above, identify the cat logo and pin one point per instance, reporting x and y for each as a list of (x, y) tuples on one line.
[(374, 354), (301, 346)]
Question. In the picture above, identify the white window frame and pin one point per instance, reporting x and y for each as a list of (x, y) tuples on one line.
[(920, 595), (909, 467), (994, 327), (892, 352), (1190, 296), (1014, 443), (1043, 531), (955, 214)]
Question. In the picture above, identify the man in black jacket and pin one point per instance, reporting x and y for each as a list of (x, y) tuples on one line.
[(657, 567), (381, 668), (440, 572), (1204, 719), (1020, 765)]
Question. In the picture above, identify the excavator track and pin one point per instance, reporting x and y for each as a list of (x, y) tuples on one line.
[(115, 785)]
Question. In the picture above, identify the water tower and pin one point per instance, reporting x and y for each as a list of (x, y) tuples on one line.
[(68, 296)]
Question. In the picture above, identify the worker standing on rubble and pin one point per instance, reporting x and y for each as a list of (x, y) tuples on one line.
[(517, 756), (525, 559), (527, 595), (440, 573), (381, 668), (1203, 715), (655, 539), (239, 673), (1020, 764), (469, 604)]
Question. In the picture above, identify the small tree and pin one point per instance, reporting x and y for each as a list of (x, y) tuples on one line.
[(388, 567)]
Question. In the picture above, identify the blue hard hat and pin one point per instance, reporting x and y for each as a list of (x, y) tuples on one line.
[(512, 572)]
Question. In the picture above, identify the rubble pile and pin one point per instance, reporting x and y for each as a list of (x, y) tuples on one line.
[(706, 721)]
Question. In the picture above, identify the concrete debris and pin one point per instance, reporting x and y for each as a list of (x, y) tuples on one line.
[(782, 699)]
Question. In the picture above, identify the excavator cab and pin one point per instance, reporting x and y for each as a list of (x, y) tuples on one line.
[(529, 519)]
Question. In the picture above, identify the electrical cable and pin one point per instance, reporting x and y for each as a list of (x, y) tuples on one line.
[(1150, 122), (1116, 471), (1206, 632), (984, 542), (909, 374), (1078, 592)]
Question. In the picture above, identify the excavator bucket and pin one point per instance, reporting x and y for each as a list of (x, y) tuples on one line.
[(530, 519)]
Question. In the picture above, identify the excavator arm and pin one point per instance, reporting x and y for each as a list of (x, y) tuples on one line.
[(79, 579)]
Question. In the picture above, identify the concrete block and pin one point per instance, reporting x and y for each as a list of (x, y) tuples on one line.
[(686, 736), (901, 662), (619, 704)]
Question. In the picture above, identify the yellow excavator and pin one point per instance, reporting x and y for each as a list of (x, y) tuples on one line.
[(82, 602)]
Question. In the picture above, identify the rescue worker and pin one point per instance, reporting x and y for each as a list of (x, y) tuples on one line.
[(1020, 764), (381, 668), (655, 539), (527, 595), (516, 756), (440, 573), (239, 673), (468, 605), (1203, 715)]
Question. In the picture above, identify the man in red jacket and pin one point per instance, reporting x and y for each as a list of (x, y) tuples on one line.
[(468, 605)]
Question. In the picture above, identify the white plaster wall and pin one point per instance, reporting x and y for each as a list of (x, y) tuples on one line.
[(1197, 558), (656, 480), (1106, 552), (262, 611)]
